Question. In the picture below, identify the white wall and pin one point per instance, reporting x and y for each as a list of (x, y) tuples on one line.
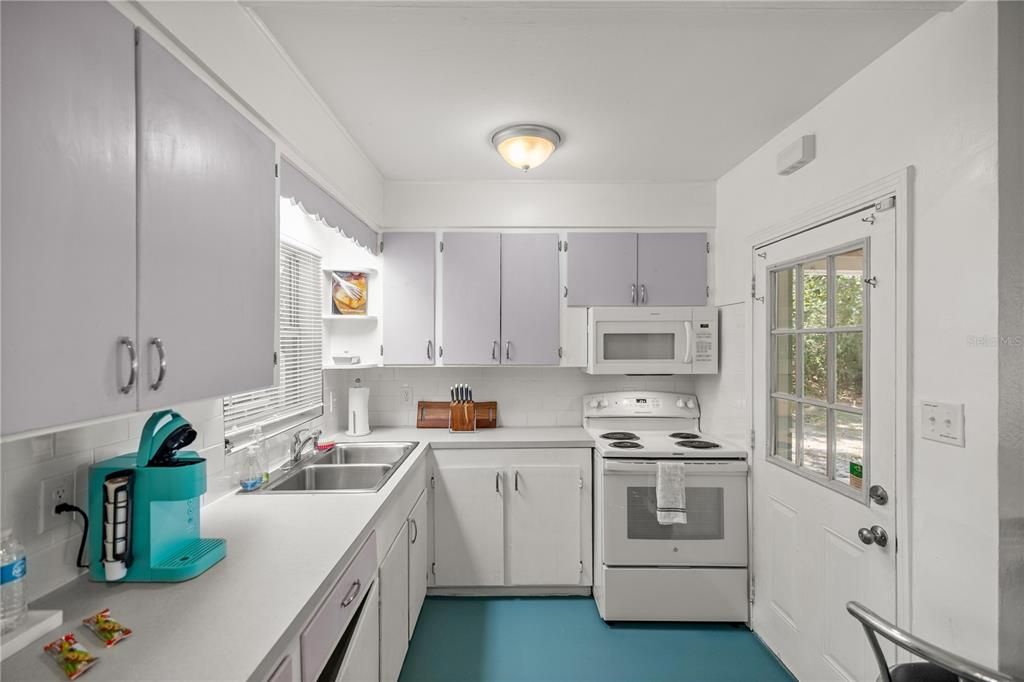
[(548, 204), (929, 102)]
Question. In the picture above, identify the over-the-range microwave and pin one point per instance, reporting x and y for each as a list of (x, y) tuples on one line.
[(652, 340)]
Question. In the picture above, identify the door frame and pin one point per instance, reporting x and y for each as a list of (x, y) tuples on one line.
[(899, 185)]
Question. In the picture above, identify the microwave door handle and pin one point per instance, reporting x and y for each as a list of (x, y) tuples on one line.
[(688, 356)]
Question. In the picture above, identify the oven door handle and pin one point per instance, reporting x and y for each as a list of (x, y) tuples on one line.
[(696, 468)]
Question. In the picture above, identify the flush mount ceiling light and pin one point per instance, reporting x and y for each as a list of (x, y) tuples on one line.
[(526, 146)]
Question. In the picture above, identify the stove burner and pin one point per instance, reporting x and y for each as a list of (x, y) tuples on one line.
[(620, 435), (684, 436), (626, 445), (697, 444)]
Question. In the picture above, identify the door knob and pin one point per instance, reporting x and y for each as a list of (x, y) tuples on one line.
[(878, 495), (875, 535)]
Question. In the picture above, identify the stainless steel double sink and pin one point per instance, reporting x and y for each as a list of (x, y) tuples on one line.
[(347, 468)]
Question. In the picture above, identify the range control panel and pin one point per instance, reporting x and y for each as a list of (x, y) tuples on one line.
[(640, 404)]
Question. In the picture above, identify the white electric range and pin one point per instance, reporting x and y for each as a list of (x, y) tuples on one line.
[(678, 572)]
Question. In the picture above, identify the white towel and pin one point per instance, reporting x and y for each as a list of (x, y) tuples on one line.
[(670, 491)]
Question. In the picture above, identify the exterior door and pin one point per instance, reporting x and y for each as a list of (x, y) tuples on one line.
[(419, 541), (207, 239), (529, 299), (469, 536), (602, 268), (394, 607), (824, 321), (471, 298), (672, 268), (544, 525), (408, 283), (68, 215)]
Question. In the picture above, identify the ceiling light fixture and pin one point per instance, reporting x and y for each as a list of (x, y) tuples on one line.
[(526, 146)]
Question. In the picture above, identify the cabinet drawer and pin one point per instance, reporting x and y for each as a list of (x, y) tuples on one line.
[(321, 636)]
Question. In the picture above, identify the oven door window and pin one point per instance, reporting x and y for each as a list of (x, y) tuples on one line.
[(705, 515)]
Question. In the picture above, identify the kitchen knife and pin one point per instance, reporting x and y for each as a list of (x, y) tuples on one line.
[(470, 394), (451, 390)]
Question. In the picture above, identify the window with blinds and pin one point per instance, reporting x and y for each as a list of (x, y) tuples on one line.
[(298, 395)]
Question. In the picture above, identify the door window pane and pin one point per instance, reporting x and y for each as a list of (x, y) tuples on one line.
[(784, 414), (849, 288), (785, 299), (815, 366), (819, 353), (815, 292), (850, 369), (849, 448), (785, 363), (814, 439)]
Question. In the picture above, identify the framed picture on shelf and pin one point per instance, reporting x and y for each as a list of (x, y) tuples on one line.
[(348, 292)]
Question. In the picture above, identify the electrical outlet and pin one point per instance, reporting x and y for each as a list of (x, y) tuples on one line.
[(53, 491), (405, 396)]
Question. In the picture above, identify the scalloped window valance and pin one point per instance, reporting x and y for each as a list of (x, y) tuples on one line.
[(317, 202)]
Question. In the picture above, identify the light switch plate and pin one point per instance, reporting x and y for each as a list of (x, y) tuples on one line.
[(943, 422)]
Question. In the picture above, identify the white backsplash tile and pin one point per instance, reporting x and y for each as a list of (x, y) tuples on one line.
[(526, 396)]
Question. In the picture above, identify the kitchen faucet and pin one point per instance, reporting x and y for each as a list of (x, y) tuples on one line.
[(299, 443)]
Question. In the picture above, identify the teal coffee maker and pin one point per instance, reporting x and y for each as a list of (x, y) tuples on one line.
[(146, 507)]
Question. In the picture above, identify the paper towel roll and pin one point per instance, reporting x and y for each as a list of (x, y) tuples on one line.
[(358, 412)]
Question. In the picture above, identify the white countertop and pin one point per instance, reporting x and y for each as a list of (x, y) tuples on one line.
[(222, 624)]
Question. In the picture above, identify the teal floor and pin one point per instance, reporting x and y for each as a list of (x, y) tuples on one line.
[(543, 639)]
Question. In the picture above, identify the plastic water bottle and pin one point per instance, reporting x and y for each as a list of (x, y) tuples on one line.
[(12, 582)]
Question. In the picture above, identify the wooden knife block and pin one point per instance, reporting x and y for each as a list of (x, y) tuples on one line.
[(438, 415), (462, 417)]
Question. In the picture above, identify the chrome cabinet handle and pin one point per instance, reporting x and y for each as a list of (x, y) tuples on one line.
[(353, 592), (875, 535), (517, 480), (430, 349), (415, 528), (497, 478), (632, 293), (494, 350), (157, 343), (508, 350), (133, 363), (643, 294)]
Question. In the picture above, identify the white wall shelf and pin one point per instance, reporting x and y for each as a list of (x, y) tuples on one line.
[(350, 318)]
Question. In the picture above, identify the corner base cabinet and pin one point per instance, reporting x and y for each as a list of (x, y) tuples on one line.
[(512, 518)]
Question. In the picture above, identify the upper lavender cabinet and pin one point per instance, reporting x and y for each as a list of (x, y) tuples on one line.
[(68, 213), (529, 299), (139, 225), (408, 335), (207, 239), (628, 268)]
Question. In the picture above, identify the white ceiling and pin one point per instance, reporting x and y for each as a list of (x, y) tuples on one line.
[(654, 92)]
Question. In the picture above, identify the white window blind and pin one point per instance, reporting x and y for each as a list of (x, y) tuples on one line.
[(298, 395)]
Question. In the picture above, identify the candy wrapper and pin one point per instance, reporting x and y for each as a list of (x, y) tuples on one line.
[(106, 628), (71, 656)]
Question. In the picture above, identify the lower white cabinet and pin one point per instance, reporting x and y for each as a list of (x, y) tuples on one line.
[(469, 515), (394, 607), (362, 657), (419, 543), (544, 524), (512, 517)]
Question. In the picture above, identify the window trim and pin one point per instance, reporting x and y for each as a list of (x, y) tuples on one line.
[(798, 332)]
